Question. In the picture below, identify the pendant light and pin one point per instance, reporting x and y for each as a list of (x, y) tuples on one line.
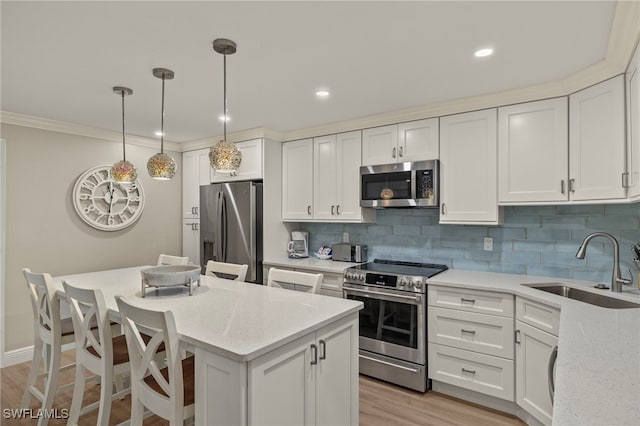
[(161, 166), (224, 156), (123, 171)]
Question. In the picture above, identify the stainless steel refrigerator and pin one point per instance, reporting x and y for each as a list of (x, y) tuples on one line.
[(231, 225)]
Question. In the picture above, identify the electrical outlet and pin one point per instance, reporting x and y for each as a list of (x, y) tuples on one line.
[(488, 243), (345, 237)]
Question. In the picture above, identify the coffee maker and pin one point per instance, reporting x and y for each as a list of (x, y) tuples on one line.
[(298, 247)]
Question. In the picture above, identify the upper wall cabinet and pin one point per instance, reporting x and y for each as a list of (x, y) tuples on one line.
[(633, 125), (597, 142), (297, 180), (532, 151), (468, 186), (196, 171), (411, 141), (250, 166), (548, 153)]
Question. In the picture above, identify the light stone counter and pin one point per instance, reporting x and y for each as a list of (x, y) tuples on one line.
[(598, 365), (310, 263)]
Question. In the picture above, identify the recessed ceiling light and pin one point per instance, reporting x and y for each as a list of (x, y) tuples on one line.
[(159, 133), (224, 117), (322, 93), (483, 52)]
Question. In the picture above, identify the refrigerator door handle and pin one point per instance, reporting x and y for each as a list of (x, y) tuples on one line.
[(218, 238), (224, 227)]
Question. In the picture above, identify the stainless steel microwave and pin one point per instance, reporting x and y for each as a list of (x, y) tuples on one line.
[(409, 184)]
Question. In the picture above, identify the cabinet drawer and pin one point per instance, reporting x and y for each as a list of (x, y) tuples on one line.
[(330, 281), (484, 302), (487, 334), (470, 370), (539, 315)]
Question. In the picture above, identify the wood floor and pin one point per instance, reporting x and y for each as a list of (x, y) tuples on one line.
[(381, 404)]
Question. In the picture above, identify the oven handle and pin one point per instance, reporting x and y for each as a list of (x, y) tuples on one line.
[(385, 296), (413, 370)]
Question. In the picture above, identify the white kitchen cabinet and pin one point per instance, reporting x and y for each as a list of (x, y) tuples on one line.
[(597, 142), (196, 171), (297, 180), (191, 240), (535, 352), (251, 165), (311, 381), (633, 126), (470, 334), (336, 177), (468, 169), (532, 151), (331, 284), (410, 141)]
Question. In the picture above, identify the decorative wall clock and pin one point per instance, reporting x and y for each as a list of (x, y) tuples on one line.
[(105, 204)]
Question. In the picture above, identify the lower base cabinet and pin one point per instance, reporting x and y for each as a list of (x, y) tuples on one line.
[(534, 368), (191, 240), (310, 381)]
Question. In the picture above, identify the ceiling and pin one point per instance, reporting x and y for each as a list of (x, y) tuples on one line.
[(61, 59)]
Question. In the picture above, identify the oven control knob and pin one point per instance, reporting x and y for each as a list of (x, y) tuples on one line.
[(410, 283), (350, 275), (419, 284), (361, 277), (402, 282)]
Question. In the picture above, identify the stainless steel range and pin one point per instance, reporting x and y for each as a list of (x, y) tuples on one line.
[(393, 323)]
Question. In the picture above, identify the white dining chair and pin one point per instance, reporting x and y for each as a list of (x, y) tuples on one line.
[(99, 352), (293, 280), (230, 271), (168, 392), (50, 333), (167, 259)]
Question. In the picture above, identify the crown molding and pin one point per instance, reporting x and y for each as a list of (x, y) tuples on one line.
[(260, 132), (24, 120)]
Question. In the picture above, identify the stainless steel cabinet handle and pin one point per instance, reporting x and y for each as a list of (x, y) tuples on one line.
[(323, 349), (197, 225), (338, 209), (193, 226), (196, 209), (400, 152), (442, 209), (462, 330), (625, 179), (464, 370), (572, 185), (314, 354), (462, 300), (309, 209), (193, 210), (517, 337), (393, 153), (552, 363), (562, 186), (332, 208)]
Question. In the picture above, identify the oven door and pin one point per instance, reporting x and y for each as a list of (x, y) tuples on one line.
[(392, 323)]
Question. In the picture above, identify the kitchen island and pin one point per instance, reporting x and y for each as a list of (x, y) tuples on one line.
[(263, 355), (597, 374)]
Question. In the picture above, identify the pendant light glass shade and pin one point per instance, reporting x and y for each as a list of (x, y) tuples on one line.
[(161, 166), (225, 157), (123, 170)]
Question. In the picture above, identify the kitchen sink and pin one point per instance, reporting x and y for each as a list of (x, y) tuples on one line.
[(584, 296)]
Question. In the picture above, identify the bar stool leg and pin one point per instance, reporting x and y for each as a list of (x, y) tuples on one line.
[(52, 380), (33, 373)]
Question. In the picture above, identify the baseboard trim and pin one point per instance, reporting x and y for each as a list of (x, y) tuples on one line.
[(18, 356)]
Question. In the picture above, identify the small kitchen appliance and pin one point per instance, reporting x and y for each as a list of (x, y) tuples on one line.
[(298, 247), (347, 252), (393, 322), (408, 184)]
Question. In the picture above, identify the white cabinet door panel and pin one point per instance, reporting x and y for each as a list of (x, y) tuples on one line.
[(380, 145), (533, 151), (191, 240), (349, 151), (419, 140), (468, 158), (250, 166), (297, 180), (324, 177), (633, 125), (597, 141)]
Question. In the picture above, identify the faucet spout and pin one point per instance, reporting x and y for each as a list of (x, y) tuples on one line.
[(616, 278)]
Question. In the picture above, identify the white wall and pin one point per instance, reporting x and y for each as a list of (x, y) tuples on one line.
[(43, 231)]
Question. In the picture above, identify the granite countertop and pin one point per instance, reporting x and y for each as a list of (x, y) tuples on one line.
[(310, 263), (598, 365), (236, 320)]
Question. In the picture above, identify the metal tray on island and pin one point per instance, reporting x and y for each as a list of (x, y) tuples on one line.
[(170, 276)]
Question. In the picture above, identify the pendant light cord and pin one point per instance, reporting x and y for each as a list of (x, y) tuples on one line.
[(162, 119), (124, 154), (224, 120)]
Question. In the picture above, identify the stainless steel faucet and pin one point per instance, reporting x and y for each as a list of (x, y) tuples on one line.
[(616, 278)]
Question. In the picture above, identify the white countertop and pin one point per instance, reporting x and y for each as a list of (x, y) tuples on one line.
[(310, 263), (598, 365), (233, 319)]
